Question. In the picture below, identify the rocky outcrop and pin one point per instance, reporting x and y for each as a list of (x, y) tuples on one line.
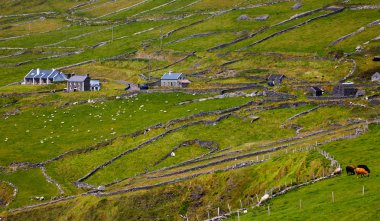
[(297, 6)]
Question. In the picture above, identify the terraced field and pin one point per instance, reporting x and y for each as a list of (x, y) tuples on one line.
[(208, 151)]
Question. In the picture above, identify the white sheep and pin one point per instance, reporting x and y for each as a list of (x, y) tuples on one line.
[(337, 171), (263, 199)]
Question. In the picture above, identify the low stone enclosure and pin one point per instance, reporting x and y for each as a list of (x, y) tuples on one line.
[(284, 100)]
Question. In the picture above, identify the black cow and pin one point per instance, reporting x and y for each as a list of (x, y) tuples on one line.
[(364, 167), (350, 170)]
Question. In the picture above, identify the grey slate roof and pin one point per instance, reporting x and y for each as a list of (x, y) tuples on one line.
[(273, 77), (316, 88), (44, 74), (78, 78), (171, 76), (94, 83)]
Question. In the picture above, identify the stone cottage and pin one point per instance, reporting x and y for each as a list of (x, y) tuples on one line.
[(345, 90), (39, 76), (95, 85), (79, 83), (376, 77), (315, 91), (274, 79), (174, 80)]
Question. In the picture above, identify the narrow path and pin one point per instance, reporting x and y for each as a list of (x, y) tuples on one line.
[(133, 87)]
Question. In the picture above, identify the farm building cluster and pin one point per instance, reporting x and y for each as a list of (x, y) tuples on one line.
[(173, 80), (74, 82)]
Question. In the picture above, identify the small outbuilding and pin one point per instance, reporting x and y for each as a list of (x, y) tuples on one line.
[(360, 93), (376, 58), (79, 83), (95, 85), (376, 77), (315, 91), (274, 79), (40, 76), (345, 90), (174, 80)]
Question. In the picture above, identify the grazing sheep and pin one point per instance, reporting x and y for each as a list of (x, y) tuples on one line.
[(337, 171), (263, 199)]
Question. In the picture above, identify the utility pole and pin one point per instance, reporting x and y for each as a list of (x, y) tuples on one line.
[(161, 37), (112, 33)]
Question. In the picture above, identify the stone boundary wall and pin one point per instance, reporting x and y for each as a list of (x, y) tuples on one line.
[(76, 65), (169, 65), (302, 113), (361, 29), (100, 194), (51, 180), (364, 7), (15, 191), (261, 30), (291, 28), (210, 145), (352, 71), (193, 36), (151, 140), (26, 165)]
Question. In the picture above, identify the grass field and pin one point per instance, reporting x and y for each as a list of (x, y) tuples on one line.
[(222, 142), (348, 190)]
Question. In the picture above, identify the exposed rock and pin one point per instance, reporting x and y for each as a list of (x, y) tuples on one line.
[(334, 8), (297, 6), (244, 18), (247, 18), (261, 18)]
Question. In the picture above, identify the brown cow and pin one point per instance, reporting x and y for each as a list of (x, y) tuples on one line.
[(362, 172)]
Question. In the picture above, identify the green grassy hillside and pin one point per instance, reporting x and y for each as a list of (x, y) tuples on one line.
[(348, 190), (171, 153)]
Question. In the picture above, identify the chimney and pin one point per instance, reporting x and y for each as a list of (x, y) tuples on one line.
[(170, 72), (38, 71)]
